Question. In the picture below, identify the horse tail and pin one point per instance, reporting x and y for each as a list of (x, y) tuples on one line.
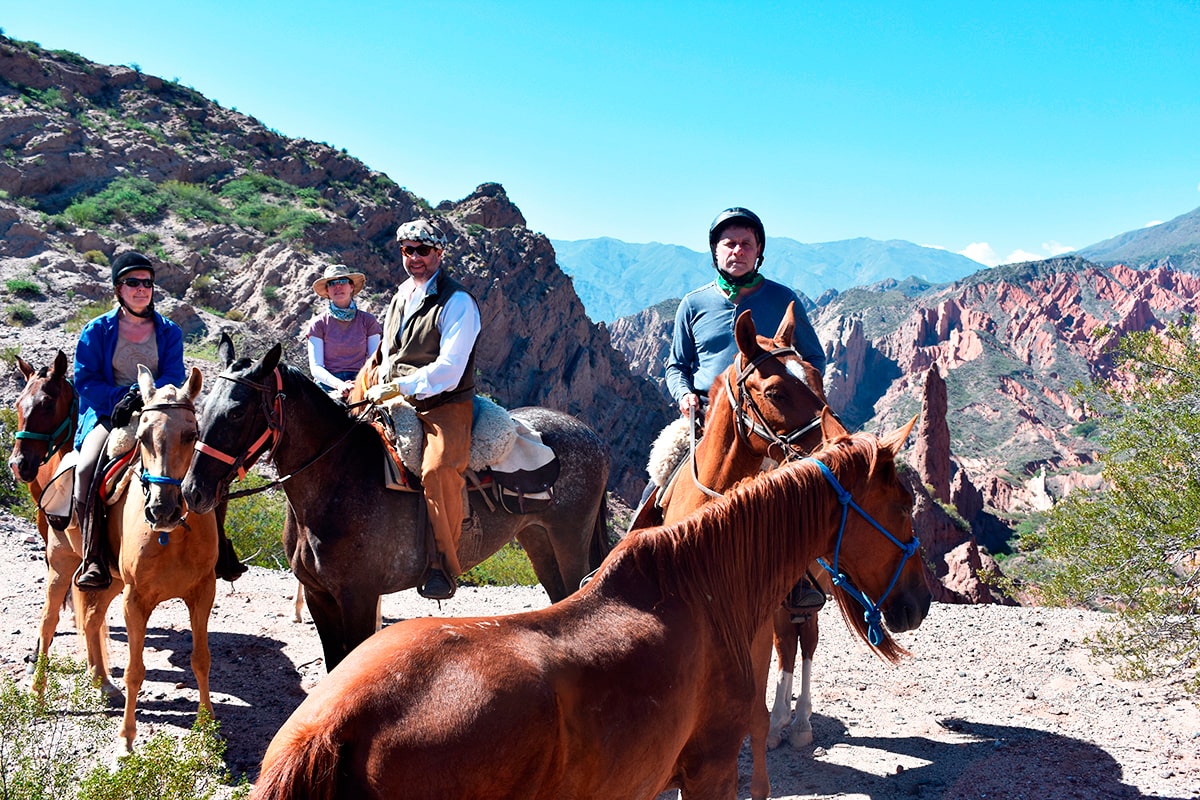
[(600, 545), (301, 764)]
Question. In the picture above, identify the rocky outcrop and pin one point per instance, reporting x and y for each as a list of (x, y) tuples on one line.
[(931, 455), (69, 127), (645, 340)]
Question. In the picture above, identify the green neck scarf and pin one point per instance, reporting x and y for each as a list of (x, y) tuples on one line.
[(731, 289)]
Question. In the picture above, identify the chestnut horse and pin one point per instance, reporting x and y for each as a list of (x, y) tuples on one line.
[(163, 550), (47, 411), (640, 682), (350, 539), (766, 407)]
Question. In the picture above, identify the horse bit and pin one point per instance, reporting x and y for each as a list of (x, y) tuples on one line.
[(872, 610)]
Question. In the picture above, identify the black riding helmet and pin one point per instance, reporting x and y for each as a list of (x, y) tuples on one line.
[(739, 216), (128, 262)]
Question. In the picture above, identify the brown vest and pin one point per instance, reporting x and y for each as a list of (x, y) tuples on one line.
[(419, 343)]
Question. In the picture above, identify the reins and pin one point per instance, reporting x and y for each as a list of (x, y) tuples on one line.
[(274, 413), (872, 610), (61, 437)]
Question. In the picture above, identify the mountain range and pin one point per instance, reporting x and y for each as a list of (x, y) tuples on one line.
[(1177, 240), (615, 278)]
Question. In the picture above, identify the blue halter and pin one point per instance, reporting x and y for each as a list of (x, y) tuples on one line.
[(149, 480), (872, 613)]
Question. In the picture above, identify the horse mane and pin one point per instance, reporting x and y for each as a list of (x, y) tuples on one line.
[(724, 546)]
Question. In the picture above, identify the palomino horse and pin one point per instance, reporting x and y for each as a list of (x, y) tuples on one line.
[(638, 683), (163, 550), (348, 538), (47, 409), (766, 406)]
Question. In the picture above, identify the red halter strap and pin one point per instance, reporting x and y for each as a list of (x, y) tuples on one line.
[(274, 430)]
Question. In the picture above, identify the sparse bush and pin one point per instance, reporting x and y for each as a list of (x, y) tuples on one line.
[(14, 495), (233, 315), (86, 314), (271, 294), (194, 201), (509, 566), (255, 524), (20, 314), (96, 257), (146, 240), (23, 287), (124, 198)]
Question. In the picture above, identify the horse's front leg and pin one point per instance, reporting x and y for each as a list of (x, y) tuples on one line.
[(785, 648), (61, 563), (802, 733), (199, 608), (760, 664), (90, 611), (137, 616)]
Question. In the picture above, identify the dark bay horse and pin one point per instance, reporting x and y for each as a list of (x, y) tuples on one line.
[(47, 411), (638, 683), (348, 538), (163, 550)]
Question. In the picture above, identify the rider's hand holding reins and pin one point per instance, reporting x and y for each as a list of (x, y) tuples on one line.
[(383, 391)]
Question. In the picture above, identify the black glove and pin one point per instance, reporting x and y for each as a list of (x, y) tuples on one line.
[(126, 407)]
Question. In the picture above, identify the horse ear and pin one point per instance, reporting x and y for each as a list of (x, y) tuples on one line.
[(271, 359), (25, 367), (787, 326), (225, 349), (145, 382), (831, 429), (746, 335), (895, 440), (60, 365), (195, 383)]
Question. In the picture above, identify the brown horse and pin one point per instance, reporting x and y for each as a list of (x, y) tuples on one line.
[(348, 537), (163, 550), (47, 411), (764, 409), (638, 683)]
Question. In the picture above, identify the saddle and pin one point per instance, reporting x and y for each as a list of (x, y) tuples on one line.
[(508, 462), (112, 474)]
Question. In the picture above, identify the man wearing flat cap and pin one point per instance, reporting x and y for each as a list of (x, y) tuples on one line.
[(428, 356)]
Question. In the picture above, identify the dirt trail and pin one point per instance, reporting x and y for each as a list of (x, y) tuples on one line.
[(996, 702)]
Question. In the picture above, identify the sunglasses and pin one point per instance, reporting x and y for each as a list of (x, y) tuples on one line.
[(337, 282), (133, 283), (421, 250)]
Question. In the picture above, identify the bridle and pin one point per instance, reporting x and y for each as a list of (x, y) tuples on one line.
[(787, 442), (60, 438), (872, 613), (271, 398), (272, 407), (149, 480), (752, 421)]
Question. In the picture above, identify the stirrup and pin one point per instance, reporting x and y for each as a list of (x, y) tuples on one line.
[(94, 578)]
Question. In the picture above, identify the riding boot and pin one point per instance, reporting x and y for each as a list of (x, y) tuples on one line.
[(229, 567), (93, 573)]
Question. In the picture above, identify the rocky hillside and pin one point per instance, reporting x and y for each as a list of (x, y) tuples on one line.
[(95, 159), (1177, 240), (1010, 343)]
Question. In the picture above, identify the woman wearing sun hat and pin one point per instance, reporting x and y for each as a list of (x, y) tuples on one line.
[(344, 336)]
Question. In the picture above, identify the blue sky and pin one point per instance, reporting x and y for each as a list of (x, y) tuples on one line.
[(1002, 130)]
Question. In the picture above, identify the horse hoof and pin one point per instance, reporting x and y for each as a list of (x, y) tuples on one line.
[(800, 739), (774, 740)]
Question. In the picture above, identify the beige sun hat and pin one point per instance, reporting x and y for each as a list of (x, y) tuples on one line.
[(357, 279)]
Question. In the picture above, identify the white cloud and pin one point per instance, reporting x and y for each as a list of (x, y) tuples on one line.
[(981, 252), (1152, 223), (1017, 256), (1054, 248)]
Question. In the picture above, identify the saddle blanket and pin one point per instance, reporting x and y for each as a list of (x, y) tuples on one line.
[(499, 442), (59, 496)]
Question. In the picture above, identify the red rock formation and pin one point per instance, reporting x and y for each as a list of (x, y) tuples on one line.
[(931, 455)]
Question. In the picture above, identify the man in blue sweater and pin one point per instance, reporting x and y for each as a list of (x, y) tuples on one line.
[(703, 346)]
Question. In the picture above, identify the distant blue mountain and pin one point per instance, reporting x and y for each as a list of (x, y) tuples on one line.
[(1177, 239), (616, 278)]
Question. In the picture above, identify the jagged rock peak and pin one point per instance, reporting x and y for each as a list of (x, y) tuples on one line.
[(488, 206), (931, 456)]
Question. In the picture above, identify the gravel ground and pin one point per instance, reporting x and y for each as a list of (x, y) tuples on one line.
[(996, 702)]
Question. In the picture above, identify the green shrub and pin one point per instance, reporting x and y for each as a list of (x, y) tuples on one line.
[(45, 740), (96, 257), (509, 566), (23, 287), (271, 294), (255, 524), (146, 240), (20, 314), (124, 198), (86, 314), (193, 201)]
